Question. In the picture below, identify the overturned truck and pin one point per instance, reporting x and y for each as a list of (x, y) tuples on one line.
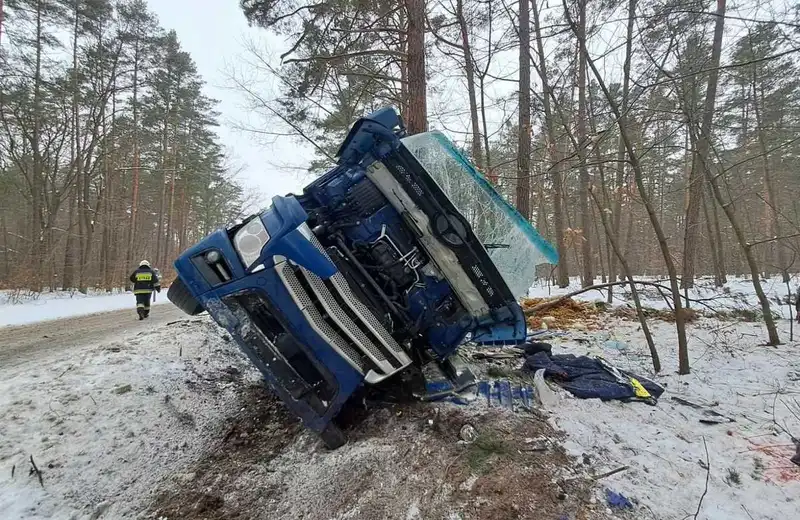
[(381, 269)]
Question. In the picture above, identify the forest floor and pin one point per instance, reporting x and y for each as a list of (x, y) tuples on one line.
[(166, 419)]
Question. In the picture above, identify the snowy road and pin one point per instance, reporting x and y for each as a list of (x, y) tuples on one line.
[(26, 343)]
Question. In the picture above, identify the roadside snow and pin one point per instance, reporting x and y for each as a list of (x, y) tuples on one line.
[(750, 474), (106, 423), (35, 307)]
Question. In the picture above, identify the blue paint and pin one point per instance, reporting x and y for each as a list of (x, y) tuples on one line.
[(443, 326)]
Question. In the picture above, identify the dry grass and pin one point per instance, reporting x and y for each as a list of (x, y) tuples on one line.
[(565, 315)]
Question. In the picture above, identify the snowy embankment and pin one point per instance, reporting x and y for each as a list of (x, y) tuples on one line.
[(25, 308), (107, 422), (740, 403)]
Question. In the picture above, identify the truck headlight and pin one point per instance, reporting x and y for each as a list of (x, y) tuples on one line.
[(250, 240)]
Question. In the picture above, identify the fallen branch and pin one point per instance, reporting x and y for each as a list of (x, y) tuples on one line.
[(612, 472), (708, 475), (34, 469), (558, 301)]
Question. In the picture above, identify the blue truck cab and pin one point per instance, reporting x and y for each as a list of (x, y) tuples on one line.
[(384, 265)]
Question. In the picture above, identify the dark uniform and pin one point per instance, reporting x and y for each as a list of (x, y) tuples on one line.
[(797, 307), (145, 281)]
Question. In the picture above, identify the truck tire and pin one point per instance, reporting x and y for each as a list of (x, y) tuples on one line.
[(182, 298), (333, 437)]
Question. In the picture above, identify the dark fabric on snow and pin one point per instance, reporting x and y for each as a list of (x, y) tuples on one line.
[(586, 378), (532, 347)]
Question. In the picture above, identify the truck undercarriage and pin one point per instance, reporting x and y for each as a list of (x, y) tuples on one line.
[(384, 265)]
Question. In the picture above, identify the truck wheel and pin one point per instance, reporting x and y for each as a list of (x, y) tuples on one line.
[(182, 298), (333, 437)]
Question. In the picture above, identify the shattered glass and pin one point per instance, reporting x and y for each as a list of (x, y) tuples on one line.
[(515, 247)]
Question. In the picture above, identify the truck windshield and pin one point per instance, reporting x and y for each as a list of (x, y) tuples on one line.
[(515, 247)]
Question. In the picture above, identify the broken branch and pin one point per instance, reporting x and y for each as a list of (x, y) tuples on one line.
[(36, 470), (708, 475), (612, 472)]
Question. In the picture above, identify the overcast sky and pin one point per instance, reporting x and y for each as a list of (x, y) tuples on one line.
[(214, 32)]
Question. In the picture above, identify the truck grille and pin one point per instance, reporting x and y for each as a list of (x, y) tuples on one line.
[(367, 316), (318, 323), (348, 314)]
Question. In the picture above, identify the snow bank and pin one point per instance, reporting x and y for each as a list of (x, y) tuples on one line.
[(36, 307), (106, 423)]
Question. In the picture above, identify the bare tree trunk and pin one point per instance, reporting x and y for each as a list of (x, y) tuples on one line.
[(417, 119), (778, 258), (680, 319), (721, 264), (712, 243), (135, 183), (37, 181), (620, 170), (524, 143), (6, 248), (727, 207), (469, 68), (552, 153), (620, 178), (587, 274), (700, 157), (68, 279), (634, 291)]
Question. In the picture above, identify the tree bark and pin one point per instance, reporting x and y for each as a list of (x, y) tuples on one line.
[(524, 143), (553, 156), (469, 68), (700, 158), (727, 207), (620, 170), (634, 291), (135, 181), (37, 181), (417, 117), (777, 258), (587, 272)]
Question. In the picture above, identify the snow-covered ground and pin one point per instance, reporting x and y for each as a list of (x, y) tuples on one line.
[(733, 374), (109, 421), (737, 294), (25, 308), (106, 422)]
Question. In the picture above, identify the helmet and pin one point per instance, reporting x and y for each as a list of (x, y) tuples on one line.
[(144, 263)]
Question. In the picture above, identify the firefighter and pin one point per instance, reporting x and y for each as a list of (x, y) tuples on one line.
[(145, 280), (797, 307)]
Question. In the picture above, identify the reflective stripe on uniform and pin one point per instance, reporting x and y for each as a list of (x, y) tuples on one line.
[(144, 277), (140, 306), (142, 291)]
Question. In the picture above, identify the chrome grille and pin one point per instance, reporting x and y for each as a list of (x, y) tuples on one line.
[(364, 314), (318, 323), (338, 315)]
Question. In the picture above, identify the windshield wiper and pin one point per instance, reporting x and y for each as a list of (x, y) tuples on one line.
[(496, 246)]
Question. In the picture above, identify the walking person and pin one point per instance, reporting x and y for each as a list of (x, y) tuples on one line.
[(145, 280), (797, 308)]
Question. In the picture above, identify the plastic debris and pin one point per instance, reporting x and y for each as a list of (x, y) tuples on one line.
[(616, 345), (544, 394), (617, 500), (468, 433)]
